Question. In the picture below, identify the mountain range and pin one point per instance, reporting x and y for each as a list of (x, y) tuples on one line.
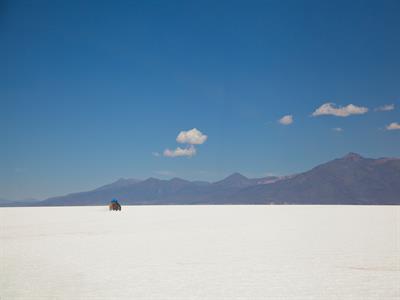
[(351, 179)]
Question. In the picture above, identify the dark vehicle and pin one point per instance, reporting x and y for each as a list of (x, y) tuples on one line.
[(114, 205)]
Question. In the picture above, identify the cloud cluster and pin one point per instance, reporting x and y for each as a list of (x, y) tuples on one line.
[(190, 137), (386, 107), (332, 109), (188, 151), (286, 120), (194, 137), (393, 126), (339, 111)]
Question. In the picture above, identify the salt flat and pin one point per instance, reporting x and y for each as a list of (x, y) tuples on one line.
[(200, 252)]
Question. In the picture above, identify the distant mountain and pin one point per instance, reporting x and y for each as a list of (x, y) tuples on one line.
[(5, 201), (236, 180), (351, 179), (157, 191), (25, 202)]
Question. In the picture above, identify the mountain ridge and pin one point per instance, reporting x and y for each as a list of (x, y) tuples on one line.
[(351, 179)]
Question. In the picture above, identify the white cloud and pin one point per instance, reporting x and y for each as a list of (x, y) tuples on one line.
[(189, 151), (286, 120), (393, 126), (341, 111), (192, 137), (337, 129), (386, 107)]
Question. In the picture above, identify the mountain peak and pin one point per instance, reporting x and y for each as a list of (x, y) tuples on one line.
[(152, 180), (235, 179), (352, 156), (178, 180), (126, 180), (236, 175)]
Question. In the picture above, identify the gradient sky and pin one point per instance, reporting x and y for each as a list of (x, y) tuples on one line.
[(90, 90)]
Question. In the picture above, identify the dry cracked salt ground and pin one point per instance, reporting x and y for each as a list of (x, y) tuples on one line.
[(200, 252)]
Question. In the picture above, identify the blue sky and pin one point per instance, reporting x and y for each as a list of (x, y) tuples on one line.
[(91, 90)]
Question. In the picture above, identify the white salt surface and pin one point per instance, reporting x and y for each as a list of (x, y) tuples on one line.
[(200, 252)]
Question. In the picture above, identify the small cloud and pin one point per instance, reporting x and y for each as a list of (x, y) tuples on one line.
[(192, 137), (189, 152), (386, 107), (337, 129), (339, 111), (286, 120), (156, 154), (393, 126)]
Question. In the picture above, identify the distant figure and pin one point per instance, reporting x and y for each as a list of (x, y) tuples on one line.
[(114, 205)]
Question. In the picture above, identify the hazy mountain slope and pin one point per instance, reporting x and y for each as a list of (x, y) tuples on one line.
[(348, 180), (24, 202), (122, 182), (4, 202)]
